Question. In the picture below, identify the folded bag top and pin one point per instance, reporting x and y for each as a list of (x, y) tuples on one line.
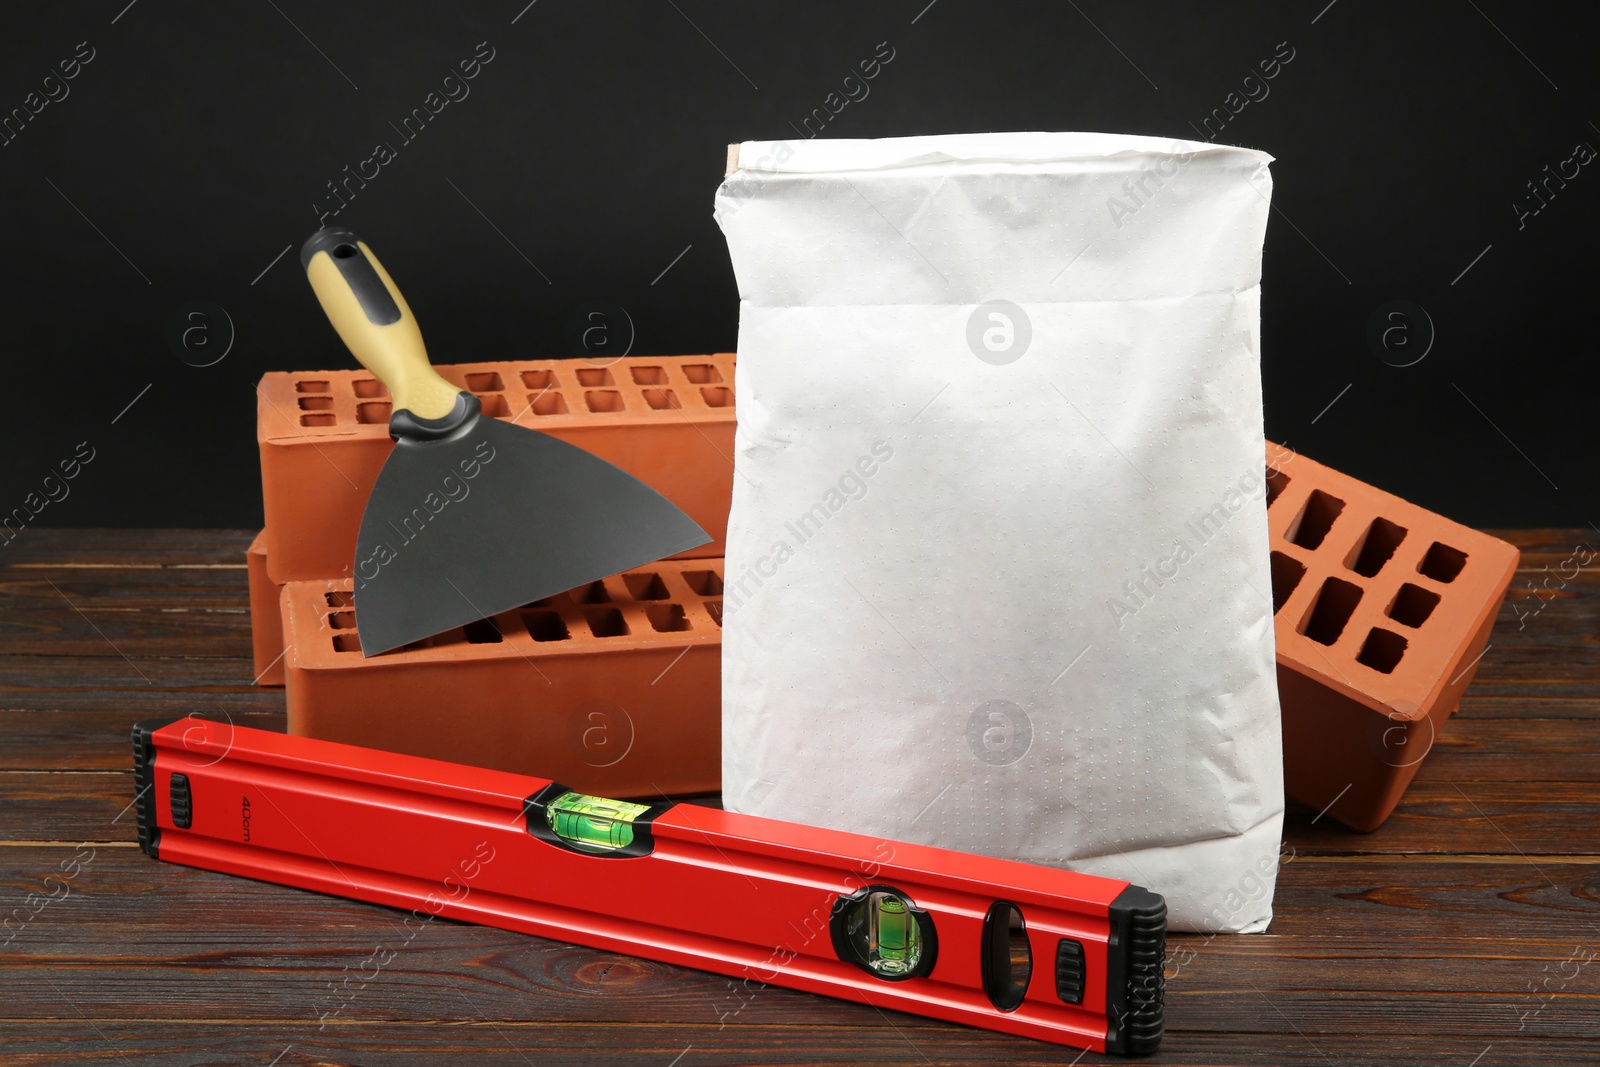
[(1047, 217), (997, 569)]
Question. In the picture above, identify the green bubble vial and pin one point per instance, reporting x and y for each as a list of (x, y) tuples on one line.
[(894, 939), (593, 824)]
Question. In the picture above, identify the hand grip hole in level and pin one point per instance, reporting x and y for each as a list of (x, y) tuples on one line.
[(345, 251), (1007, 956)]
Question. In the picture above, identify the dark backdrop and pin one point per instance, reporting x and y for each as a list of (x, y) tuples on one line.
[(190, 150)]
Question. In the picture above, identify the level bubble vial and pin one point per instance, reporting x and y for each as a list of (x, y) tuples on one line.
[(593, 824)]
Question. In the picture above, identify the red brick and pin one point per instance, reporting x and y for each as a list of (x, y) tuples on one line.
[(1382, 609), (613, 688), (324, 435)]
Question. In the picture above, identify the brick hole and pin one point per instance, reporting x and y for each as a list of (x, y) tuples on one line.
[(543, 602), (320, 418), (667, 618), (342, 620), (1442, 563), (1332, 608), (547, 403), (604, 400), (606, 622), (1412, 605), (1375, 547), (718, 397), (368, 387), (646, 586), (648, 375), (316, 403), (662, 399), (594, 593), (1286, 574), (1277, 482), (484, 382), (592, 376), (714, 609), (1315, 519), (545, 625), (373, 411), (340, 598), (704, 583), (1382, 650), (310, 386), (494, 404), (702, 373), (539, 379), (346, 643), (482, 632)]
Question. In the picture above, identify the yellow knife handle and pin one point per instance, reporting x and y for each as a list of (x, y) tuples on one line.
[(373, 320)]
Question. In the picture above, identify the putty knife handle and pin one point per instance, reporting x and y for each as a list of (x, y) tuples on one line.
[(372, 318)]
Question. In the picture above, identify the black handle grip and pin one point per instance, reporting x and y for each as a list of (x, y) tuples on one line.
[(344, 248)]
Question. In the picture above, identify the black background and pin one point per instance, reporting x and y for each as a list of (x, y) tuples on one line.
[(199, 137)]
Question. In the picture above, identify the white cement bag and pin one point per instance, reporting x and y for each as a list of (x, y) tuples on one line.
[(997, 568)]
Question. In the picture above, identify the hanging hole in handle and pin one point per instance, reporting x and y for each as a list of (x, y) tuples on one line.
[(1007, 956), (344, 251)]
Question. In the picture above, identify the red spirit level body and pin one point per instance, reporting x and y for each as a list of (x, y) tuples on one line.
[(1050, 954)]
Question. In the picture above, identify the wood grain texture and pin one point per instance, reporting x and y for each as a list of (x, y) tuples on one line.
[(142, 685), (96, 740), (1459, 932), (127, 548), (622, 1043)]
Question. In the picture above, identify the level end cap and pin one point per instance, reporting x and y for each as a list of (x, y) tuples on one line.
[(144, 781)]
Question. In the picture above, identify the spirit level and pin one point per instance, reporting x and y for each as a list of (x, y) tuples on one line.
[(1050, 954)]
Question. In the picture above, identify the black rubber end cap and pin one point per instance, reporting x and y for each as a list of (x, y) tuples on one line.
[(1135, 979), (144, 782)]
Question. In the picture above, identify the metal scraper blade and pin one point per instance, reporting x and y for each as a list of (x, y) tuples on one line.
[(490, 517)]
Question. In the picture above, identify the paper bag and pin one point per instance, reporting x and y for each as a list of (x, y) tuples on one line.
[(997, 569)]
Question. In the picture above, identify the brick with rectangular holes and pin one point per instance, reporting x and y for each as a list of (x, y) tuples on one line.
[(1382, 610), (613, 688), (266, 620), (323, 436)]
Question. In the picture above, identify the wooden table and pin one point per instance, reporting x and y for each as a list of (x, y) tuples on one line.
[(1459, 933)]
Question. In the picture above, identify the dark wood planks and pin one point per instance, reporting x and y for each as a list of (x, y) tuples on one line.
[(510, 1043), (122, 548), (144, 687), (1448, 935), (97, 740), (1463, 941)]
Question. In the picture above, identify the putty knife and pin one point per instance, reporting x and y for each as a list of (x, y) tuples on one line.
[(470, 516)]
